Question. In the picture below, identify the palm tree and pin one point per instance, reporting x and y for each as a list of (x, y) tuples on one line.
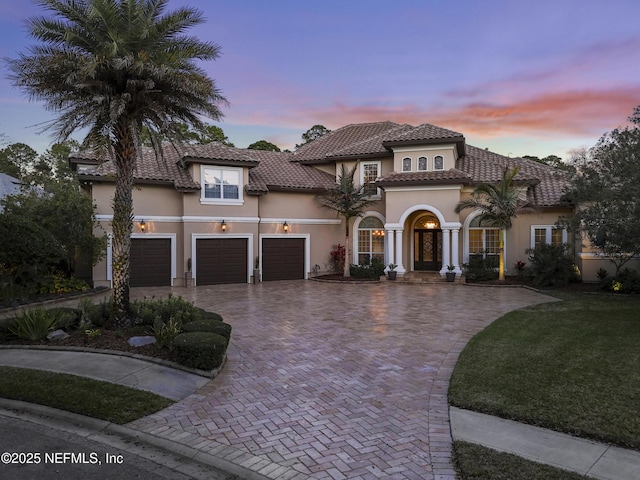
[(347, 200), (110, 68), (499, 204)]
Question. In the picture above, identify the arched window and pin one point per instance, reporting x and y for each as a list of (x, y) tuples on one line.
[(438, 162), (370, 240), (484, 239), (422, 164), (406, 164)]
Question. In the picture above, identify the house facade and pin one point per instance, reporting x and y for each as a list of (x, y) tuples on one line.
[(228, 214)]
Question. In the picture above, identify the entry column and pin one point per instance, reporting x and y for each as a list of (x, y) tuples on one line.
[(454, 250), (400, 268), (445, 251), (390, 246)]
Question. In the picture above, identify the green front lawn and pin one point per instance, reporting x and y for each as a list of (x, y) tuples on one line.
[(572, 366), (85, 396)]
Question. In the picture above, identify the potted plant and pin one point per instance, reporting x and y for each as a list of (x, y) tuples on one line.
[(451, 275), (188, 280), (392, 271)]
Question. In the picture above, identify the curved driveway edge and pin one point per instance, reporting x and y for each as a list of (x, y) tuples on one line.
[(335, 381)]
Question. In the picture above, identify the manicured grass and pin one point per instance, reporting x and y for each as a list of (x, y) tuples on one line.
[(85, 396), (474, 462), (572, 366)]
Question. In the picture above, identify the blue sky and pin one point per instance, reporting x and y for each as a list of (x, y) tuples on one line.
[(518, 77)]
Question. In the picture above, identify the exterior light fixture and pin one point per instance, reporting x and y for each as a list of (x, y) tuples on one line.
[(223, 225), (285, 227), (143, 225), (430, 225)]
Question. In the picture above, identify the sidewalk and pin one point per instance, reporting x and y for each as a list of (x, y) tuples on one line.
[(545, 446)]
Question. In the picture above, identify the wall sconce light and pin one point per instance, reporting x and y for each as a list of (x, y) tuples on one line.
[(223, 225), (142, 225), (285, 227)]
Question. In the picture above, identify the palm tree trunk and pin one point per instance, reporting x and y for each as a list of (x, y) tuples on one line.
[(347, 269), (122, 224), (501, 267)]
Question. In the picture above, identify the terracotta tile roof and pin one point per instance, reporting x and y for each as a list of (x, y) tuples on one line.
[(399, 179), (485, 167), (149, 168), (319, 150), (275, 171), (372, 146), (421, 133), (220, 154)]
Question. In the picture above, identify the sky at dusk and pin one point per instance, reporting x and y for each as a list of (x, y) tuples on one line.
[(517, 77)]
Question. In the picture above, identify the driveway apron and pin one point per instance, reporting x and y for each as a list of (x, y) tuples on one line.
[(334, 381)]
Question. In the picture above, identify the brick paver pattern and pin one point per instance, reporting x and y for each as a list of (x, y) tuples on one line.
[(334, 381)]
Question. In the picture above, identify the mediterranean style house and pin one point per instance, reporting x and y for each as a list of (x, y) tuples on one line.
[(228, 214)]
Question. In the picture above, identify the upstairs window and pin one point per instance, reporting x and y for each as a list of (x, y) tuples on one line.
[(369, 173), (221, 185), (422, 164), (406, 164), (438, 162)]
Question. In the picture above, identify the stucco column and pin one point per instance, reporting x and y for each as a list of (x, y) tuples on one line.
[(398, 259), (446, 260), (454, 250), (389, 247)]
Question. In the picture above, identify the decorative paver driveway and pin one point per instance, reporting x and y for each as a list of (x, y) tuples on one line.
[(334, 381)]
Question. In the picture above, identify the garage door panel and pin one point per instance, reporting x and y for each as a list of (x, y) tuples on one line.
[(150, 262), (283, 259), (221, 260)]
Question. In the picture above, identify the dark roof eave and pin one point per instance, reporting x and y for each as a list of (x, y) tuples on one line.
[(136, 181), (227, 162), (280, 188), (458, 141), (357, 156), (413, 183)]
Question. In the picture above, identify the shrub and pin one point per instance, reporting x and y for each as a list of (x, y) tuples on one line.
[(94, 314), (67, 317), (626, 281), (201, 350), (34, 324), (205, 315), (211, 326), (551, 265), (59, 283), (166, 332), (371, 269), (337, 258), (481, 268), (147, 311)]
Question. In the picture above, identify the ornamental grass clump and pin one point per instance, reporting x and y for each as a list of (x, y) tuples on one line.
[(34, 324)]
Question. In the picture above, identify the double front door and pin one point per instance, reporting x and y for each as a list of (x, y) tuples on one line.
[(427, 249)]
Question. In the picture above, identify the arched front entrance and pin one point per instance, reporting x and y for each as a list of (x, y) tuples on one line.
[(427, 243)]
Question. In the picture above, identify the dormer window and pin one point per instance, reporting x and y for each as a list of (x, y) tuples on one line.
[(422, 164), (438, 162), (221, 185), (406, 164)]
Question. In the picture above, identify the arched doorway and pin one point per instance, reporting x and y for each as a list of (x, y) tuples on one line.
[(427, 243)]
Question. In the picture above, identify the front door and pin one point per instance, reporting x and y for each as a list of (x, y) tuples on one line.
[(427, 249)]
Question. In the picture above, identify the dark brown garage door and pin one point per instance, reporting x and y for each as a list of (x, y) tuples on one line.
[(221, 260), (150, 262), (282, 259)]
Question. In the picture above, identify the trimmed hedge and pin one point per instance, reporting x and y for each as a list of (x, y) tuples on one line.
[(206, 315), (211, 326), (201, 350)]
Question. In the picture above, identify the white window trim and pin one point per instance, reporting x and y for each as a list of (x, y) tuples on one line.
[(418, 164), (548, 229), (356, 226), (410, 164), (362, 182), (221, 201), (465, 239), (434, 163)]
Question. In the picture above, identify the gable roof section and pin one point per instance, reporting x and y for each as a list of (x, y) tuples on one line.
[(216, 153), (322, 149), (484, 166), (149, 168), (276, 172)]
